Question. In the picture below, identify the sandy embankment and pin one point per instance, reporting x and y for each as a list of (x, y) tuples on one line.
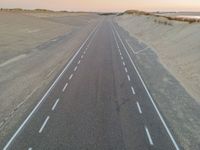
[(177, 46), (33, 48)]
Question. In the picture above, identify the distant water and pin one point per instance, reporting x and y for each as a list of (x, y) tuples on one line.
[(194, 17)]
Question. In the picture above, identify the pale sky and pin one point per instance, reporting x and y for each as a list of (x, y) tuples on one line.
[(104, 5)]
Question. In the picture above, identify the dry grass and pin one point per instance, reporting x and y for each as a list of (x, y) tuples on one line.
[(163, 22), (137, 12)]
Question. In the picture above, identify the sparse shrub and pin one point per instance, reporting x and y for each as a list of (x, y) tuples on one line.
[(162, 22)]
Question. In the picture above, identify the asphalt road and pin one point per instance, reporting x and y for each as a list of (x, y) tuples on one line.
[(98, 102)]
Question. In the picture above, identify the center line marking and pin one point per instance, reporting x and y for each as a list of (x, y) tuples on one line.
[(30, 148), (81, 56), (139, 108), (70, 76), (79, 62), (133, 91), (55, 104), (44, 124), (75, 68), (84, 52), (149, 136), (122, 58), (124, 63), (129, 79), (126, 70)]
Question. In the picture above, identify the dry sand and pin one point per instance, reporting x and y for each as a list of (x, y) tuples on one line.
[(176, 44), (33, 49)]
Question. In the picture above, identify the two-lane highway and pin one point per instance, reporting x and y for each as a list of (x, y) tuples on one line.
[(98, 102)]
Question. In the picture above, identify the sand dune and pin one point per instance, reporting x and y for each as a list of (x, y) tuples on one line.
[(20, 33), (176, 43)]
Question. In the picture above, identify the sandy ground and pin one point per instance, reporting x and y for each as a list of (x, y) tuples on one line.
[(176, 46), (33, 48)]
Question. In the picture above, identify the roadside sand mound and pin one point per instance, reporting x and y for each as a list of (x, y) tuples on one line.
[(176, 43), (73, 19), (21, 33)]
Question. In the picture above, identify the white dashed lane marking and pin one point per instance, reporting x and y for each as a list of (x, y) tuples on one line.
[(44, 124), (139, 108), (70, 76), (55, 104), (65, 87), (129, 79), (149, 136), (75, 68), (126, 70), (133, 91)]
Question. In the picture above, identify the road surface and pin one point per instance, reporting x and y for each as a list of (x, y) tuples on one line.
[(98, 102)]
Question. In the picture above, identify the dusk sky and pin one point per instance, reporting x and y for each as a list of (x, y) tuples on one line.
[(105, 5)]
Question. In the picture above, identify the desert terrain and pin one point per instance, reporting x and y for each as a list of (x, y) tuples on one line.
[(34, 46), (176, 46), (175, 42)]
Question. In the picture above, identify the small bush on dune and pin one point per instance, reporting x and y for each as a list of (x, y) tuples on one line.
[(162, 22)]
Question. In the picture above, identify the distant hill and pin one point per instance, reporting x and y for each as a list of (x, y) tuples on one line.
[(29, 10)]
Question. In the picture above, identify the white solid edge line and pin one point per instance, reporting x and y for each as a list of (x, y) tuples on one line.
[(151, 99), (91, 40), (133, 91), (65, 87), (149, 136), (115, 39), (55, 104), (139, 108), (44, 124), (70, 76), (48, 91)]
